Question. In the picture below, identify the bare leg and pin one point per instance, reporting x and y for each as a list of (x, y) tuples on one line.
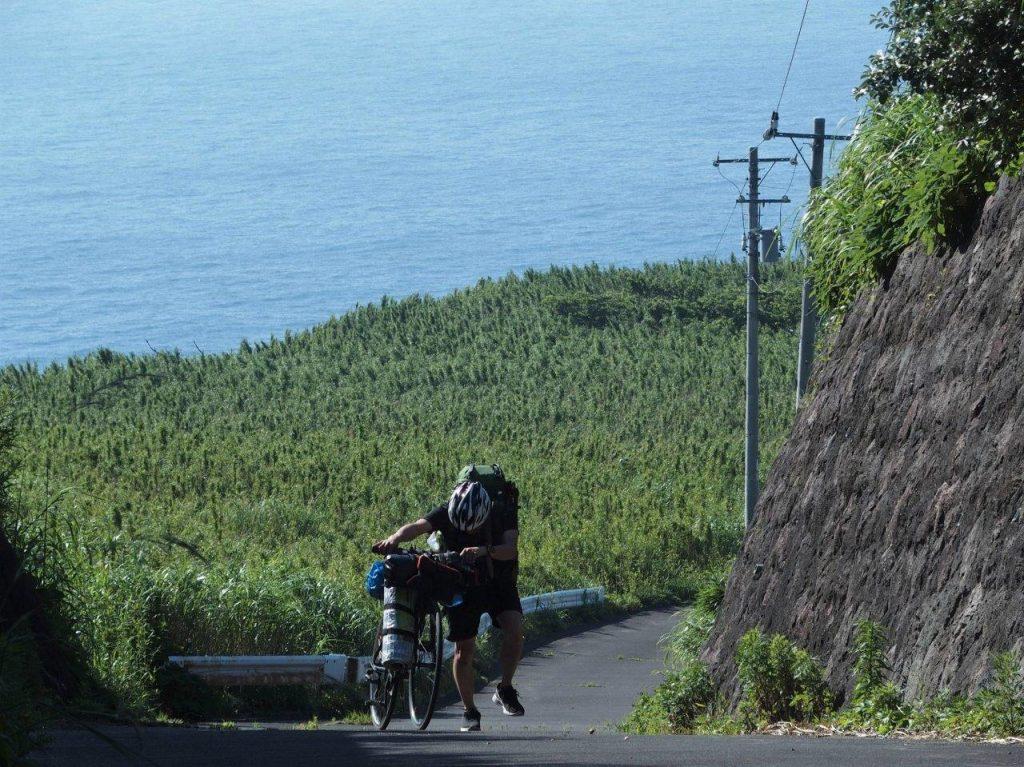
[(511, 643), (462, 670)]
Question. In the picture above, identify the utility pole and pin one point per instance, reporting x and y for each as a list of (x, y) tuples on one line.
[(808, 311), (752, 428)]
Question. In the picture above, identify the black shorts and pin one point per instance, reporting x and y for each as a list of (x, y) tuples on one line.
[(494, 597)]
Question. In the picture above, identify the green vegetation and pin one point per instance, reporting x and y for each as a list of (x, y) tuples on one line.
[(687, 700), (968, 54), (782, 683), (878, 705), (944, 119), (39, 665), (902, 181), (225, 503)]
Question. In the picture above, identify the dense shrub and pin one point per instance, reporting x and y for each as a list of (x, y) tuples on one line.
[(901, 181), (780, 682), (876, 704), (39, 661), (1003, 699)]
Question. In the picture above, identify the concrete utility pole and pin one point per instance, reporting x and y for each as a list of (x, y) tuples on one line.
[(808, 311), (752, 427)]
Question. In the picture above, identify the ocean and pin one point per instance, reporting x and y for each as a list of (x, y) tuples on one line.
[(184, 174)]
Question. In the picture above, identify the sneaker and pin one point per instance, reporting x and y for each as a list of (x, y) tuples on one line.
[(508, 699), (470, 720)]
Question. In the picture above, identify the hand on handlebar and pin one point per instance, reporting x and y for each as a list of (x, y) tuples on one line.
[(386, 546)]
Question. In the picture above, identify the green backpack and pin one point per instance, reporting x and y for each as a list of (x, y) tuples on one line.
[(504, 494)]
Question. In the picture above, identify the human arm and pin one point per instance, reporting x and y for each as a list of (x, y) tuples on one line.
[(405, 533), (508, 549)]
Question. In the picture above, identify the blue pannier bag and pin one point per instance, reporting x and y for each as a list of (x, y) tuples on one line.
[(375, 581)]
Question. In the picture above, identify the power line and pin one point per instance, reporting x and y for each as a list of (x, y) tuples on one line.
[(792, 55), (734, 184), (725, 228)]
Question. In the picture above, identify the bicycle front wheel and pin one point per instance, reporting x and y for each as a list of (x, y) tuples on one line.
[(383, 687), (424, 678)]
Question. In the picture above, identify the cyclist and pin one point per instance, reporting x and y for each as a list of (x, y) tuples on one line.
[(488, 535)]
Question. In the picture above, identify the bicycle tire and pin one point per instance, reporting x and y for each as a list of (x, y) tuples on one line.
[(383, 688), (429, 638)]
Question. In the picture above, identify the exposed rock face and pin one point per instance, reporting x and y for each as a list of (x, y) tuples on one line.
[(899, 494)]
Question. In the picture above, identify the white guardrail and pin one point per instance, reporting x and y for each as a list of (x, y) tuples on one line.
[(341, 669)]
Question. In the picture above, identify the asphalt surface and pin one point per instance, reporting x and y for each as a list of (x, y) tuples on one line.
[(579, 682), (569, 686)]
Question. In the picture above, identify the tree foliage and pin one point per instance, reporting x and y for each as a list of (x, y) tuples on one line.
[(968, 55)]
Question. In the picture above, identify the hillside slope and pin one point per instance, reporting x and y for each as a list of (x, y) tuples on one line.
[(226, 503), (898, 494)]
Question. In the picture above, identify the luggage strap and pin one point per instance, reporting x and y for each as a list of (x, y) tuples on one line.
[(401, 632)]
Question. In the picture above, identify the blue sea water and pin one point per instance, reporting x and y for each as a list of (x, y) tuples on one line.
[(177, 173)]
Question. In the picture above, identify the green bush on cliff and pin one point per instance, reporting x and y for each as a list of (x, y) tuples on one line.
[(780, 682), (878, 705), (944, 119), (902, 180)]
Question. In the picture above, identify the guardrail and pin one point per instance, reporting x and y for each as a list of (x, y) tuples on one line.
[(341, 669)]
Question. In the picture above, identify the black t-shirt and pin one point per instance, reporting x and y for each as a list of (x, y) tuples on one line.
[(501, 520)]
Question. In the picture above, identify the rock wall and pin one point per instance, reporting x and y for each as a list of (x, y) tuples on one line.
[(899, 494)]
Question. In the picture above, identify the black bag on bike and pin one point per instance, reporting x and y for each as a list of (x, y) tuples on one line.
[(399, 569), (439, 582)]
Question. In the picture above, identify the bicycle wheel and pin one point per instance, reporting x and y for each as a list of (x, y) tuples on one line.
[(383, 688), (424, 678)]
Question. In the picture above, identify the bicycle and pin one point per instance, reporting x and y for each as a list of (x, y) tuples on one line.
[(421, 675)]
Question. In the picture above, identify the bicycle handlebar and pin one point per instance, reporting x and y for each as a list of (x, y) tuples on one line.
[(449, 558)]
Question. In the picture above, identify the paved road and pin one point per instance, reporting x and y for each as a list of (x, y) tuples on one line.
[(579, 682), (569, 686)]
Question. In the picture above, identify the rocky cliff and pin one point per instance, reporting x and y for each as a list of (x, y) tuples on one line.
[(898, 496)]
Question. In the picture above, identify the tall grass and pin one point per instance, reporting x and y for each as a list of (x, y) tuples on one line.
[(225, 503)]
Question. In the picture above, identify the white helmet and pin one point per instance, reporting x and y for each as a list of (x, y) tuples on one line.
[(469, 506)]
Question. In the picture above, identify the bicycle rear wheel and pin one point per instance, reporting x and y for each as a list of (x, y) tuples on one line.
[(384, 685), (424, 678)]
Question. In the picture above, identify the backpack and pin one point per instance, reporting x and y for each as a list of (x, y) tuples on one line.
[(504, 494)]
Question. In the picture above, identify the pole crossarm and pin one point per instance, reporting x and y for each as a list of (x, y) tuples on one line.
[(769, 135), (720, 161), (774, 132), (766, 200)]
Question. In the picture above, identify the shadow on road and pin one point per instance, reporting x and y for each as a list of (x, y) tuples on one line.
[(206, 748)]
